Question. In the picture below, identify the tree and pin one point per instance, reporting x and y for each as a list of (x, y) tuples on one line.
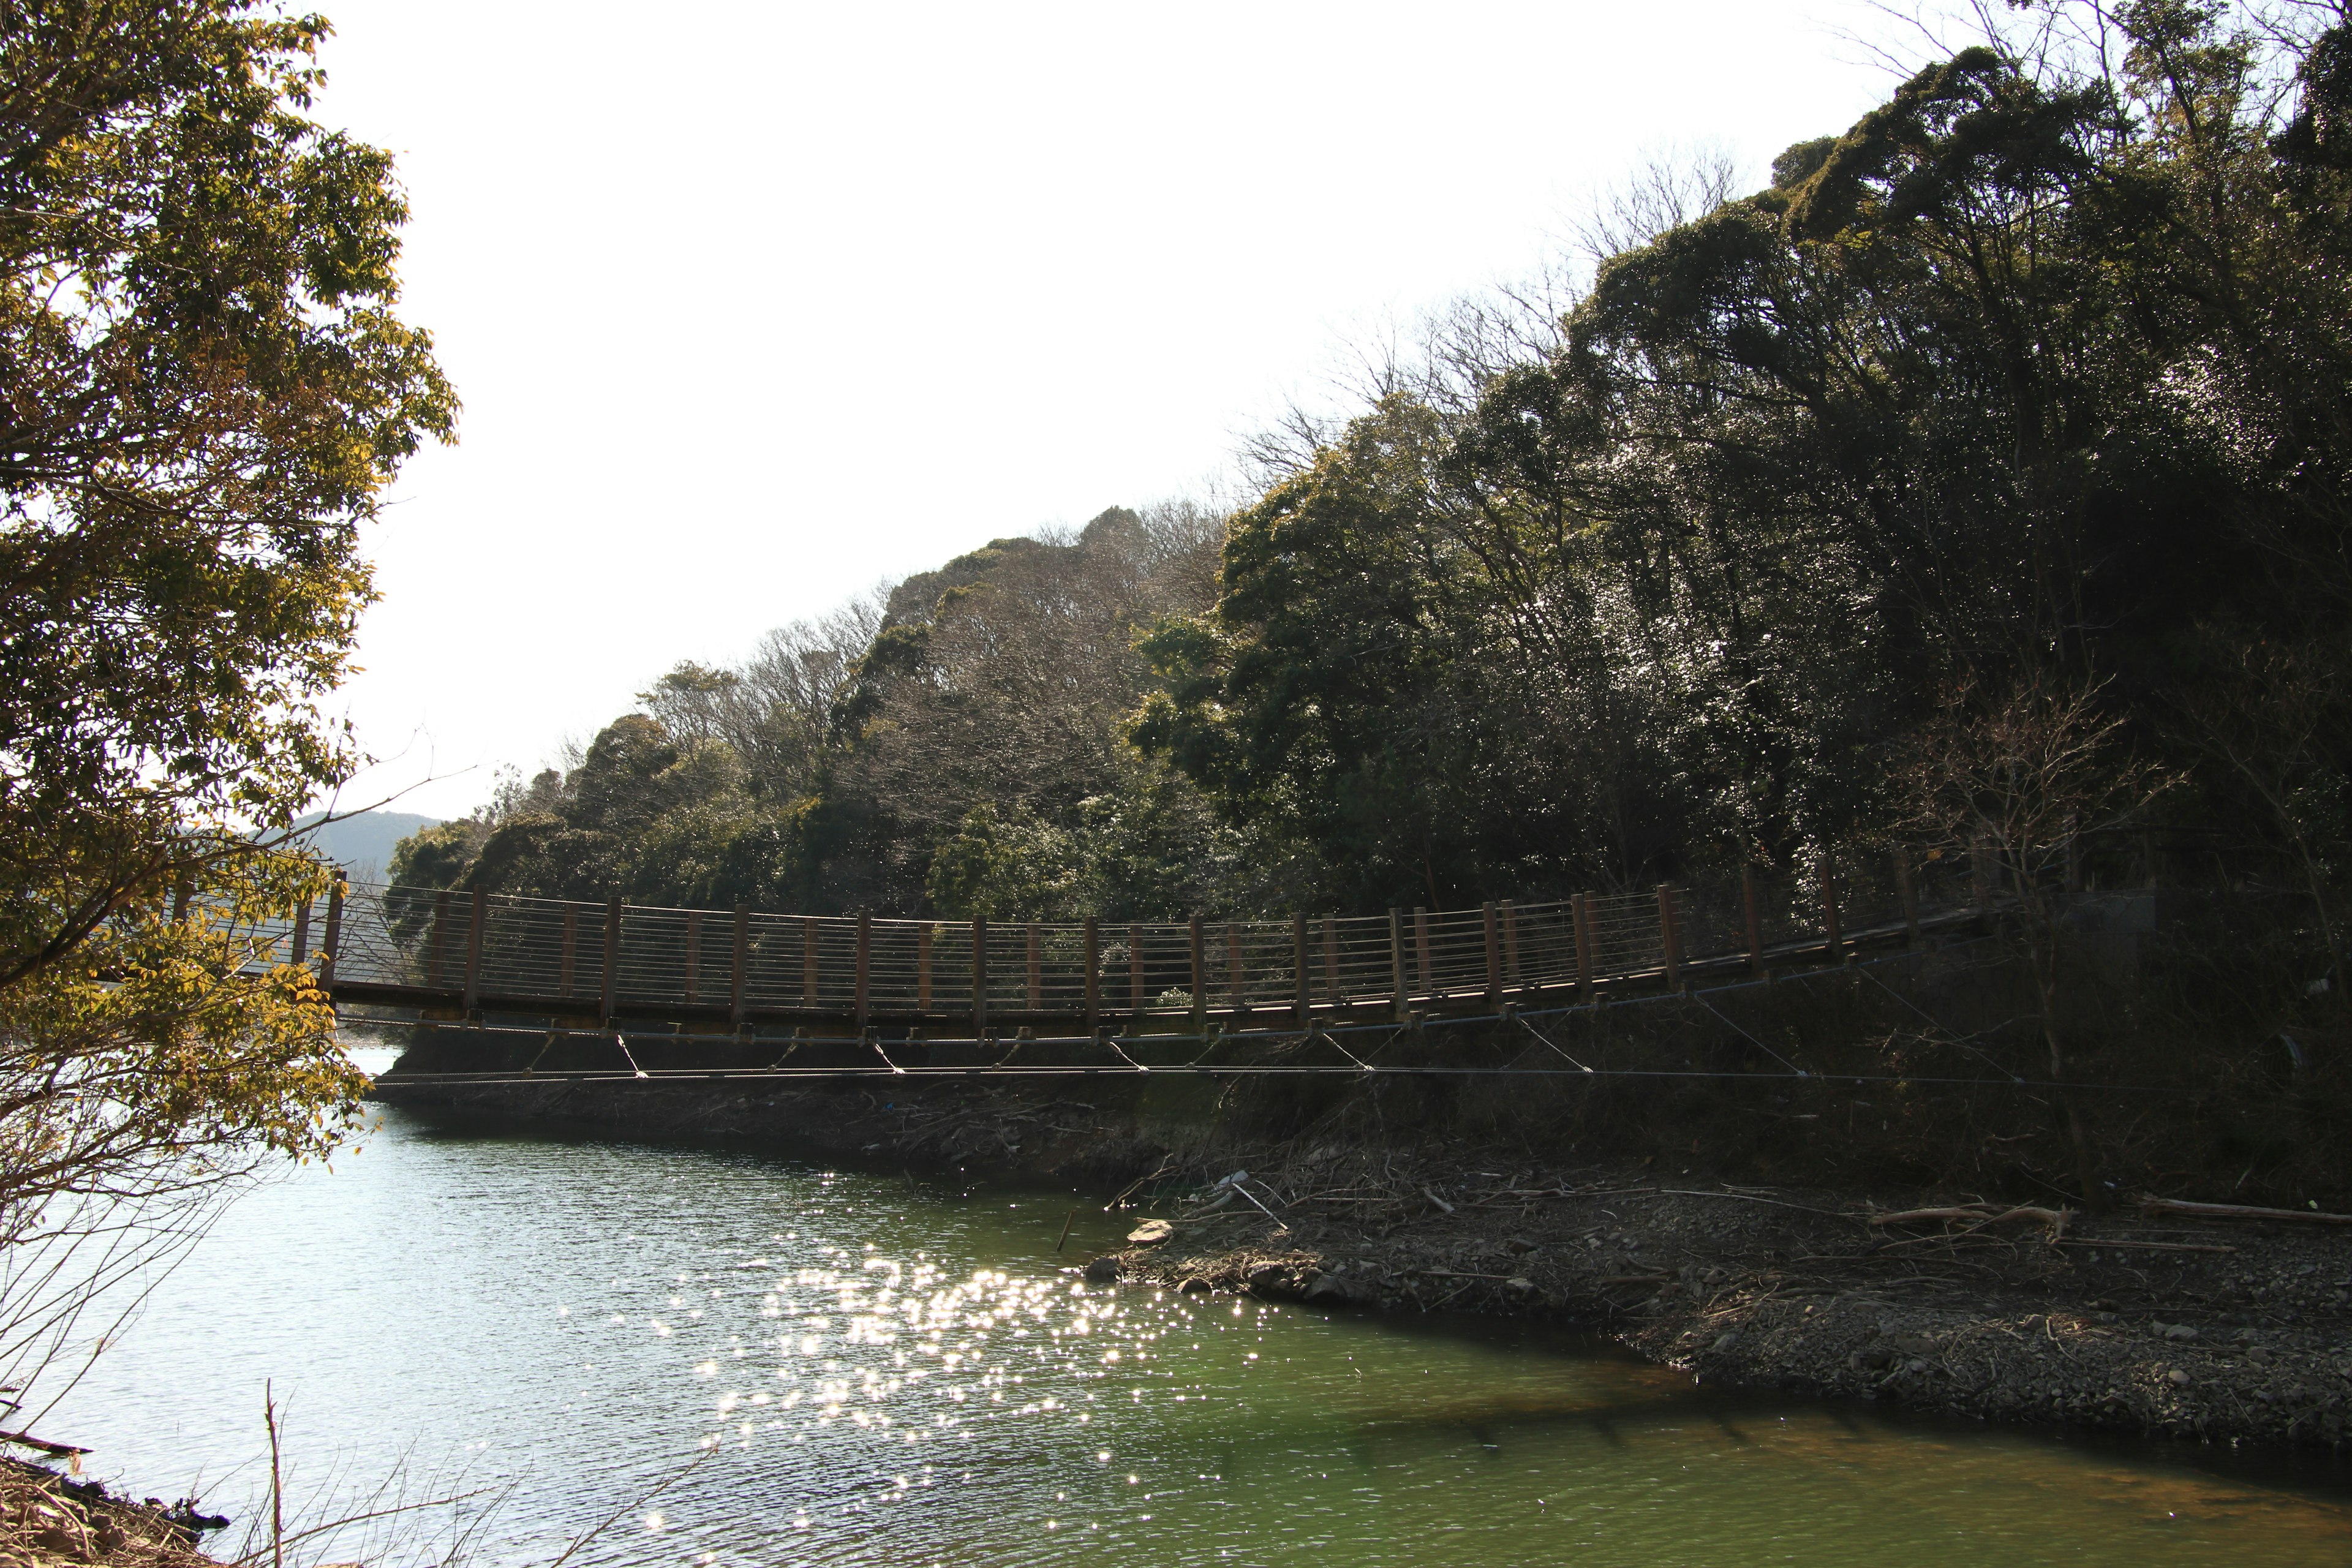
[(693, 701), (2012, 780), (149, 1079), (203, 390)]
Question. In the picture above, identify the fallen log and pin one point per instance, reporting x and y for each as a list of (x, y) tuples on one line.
[(2151, 1204)]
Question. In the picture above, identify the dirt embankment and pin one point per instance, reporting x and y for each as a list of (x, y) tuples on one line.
[(2237, 1330)]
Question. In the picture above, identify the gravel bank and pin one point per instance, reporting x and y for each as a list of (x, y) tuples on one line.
[(2221, 1332)]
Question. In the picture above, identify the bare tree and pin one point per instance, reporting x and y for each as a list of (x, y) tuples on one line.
[(140, 1094), (2013, 778), (802, 668), (1025, 676), (1447, 357), (1672, 186)]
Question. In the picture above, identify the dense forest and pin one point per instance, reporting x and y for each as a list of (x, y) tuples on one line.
[(1986, 471)]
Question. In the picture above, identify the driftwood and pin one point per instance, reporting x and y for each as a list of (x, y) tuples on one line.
[(1261, 1207), (42, 1445), (1228, 1188), (2146, 1245), (1977, 1217), (2151, 1204), (1746, 1198)]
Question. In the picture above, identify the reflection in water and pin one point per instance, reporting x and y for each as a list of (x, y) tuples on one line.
[(836, 1368)]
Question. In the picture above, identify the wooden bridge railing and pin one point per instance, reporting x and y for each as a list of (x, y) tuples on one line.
[(470, 950)]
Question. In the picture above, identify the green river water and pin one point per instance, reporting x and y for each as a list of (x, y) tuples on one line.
[(839, 1367)]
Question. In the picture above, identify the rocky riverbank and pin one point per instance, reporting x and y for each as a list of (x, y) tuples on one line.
[(2235, 1333), (2238, 1332)]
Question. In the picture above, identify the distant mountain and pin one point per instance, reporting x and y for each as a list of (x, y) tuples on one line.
[(362, 845)]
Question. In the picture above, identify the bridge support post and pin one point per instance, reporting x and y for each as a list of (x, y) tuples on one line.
[(739, 960), (1835, 938), (1493, 951), (1421, 952), (1094, 977), (1302, 988), (331, 942), (979, 979), (1135, 969), (923, 938), (1199, 979), (436, 940), (477, 917), (865, 969), (301, 933), (610, 980), (1583, 908), (1511, 976), (1400, 991), (1236, 977), (1670, 934)]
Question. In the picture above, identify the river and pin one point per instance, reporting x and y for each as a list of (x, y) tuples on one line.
[(836, 1367)]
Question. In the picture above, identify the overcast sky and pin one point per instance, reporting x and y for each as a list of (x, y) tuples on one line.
[(754, 305)]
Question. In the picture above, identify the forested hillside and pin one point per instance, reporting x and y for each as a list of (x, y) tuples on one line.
[(958, 744), (1986, 471)]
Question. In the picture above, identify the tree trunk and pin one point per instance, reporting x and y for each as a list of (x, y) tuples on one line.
[(2041, 954)]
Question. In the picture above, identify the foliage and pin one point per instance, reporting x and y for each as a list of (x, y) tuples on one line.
[(992, 868), (170, 1046), (150, 1076), (2035, 367), (202, 392)]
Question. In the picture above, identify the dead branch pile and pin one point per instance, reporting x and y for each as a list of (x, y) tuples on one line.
[(47, 1518)]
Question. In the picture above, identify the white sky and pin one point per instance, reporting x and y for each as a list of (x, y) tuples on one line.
[(752, 305)]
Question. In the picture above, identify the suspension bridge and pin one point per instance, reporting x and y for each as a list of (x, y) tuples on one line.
[(504, 982)]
